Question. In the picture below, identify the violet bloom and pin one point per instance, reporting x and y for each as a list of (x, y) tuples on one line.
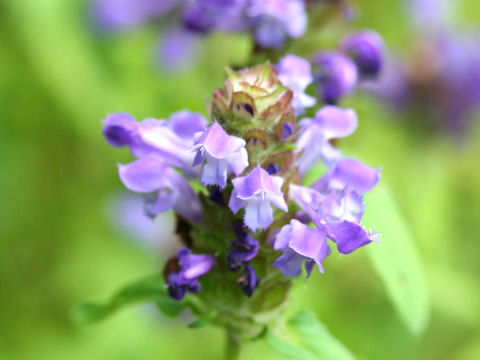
[(119, 129), (428, 15), (341, 213), (301, 244), (337, 76), (336, 217), (335, 203), (275, 20), (120, 14), (349, 172), (203, 16), (245, 248), (223, 153), (295, 73), (178, 49), (172, 139), (191, 268), (151, 174), (126, 213), (366, 49), (313, 144), (255, 193), (249, 280)]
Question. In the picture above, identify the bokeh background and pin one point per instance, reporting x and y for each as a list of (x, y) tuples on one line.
[(63, 239)]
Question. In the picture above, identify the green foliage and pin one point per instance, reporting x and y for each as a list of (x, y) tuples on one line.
[(305, 338), (396, 259), (151, 288)]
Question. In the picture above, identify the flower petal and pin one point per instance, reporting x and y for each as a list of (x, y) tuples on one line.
[(144, 175), (336, 122), (258, 214), (349, 172), (348, 235)]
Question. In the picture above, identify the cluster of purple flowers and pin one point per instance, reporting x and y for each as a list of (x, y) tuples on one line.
[(360, 57), (437, 80), (271, 22), (251, 160)]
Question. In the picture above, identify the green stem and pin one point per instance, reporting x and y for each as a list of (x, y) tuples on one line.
[(233, 346)]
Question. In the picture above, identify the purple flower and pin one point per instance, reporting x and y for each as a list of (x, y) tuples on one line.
[(172, 140), (186, 124), (301, 244), (349, 172), (205, 15), (337, 213), (273, 169), (223, 153), (430, 15), (120, 14), (337, 76), (275, 20), (255, 192), (329, 123), (366, 48), (340, 205), (349, 235), (120, 129), (126, 213), (245, 248), (295, 73), (249, 280), (191, 268), (178, 49), (151, 174)]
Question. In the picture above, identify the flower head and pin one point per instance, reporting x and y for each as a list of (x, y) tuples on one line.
[(254, 103)]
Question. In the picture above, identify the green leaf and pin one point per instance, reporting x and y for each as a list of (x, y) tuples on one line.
[(396, 259), (305, 338), (198, 187), (203, 320), (151, 288), (315, 173)]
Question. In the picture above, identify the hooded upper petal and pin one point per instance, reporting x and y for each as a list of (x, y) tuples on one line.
[(360, 177), (223, 153), (330, 122), (295, 73), (152, 174), (119, 129), (305, 241), (349, 236), (144, 175)]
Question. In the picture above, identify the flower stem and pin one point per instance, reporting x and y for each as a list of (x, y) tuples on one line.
[(233, 346)]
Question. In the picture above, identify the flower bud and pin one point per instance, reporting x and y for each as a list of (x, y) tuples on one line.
[(337, 76), (366, 50)]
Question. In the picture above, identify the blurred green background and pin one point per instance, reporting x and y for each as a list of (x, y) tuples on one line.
[(59, 77)]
